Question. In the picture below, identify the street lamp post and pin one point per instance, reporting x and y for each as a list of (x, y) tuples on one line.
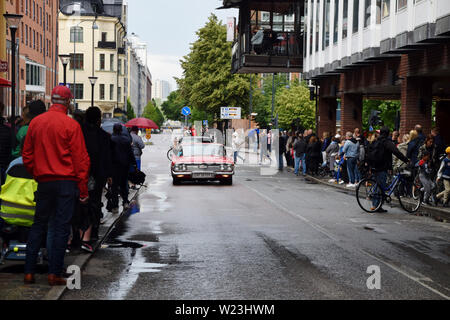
[(93, 80), (251, 103), (65, 59), (13, 21)]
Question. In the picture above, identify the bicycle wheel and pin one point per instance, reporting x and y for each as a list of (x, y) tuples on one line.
[(170, 154), (409, 196), (369, 195)]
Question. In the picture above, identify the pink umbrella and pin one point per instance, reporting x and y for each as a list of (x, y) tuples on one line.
[(142, 123)]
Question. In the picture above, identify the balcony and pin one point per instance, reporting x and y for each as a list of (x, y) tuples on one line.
[(269, 37), (106, 45), (279, 52)]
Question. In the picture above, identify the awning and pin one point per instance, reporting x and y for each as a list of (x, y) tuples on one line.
[(5, 83)]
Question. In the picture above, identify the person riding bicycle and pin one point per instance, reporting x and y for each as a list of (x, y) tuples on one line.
[(379, 157)]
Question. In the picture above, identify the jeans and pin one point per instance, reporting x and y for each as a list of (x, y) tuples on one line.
[(352, 168), (280, 161), (55, 205), (381, 178), (297, 164)]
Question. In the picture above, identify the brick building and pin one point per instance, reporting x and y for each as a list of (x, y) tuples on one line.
[(37, 37), (384, 50)]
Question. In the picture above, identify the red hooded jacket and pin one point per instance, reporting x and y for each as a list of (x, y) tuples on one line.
[(55, 149)]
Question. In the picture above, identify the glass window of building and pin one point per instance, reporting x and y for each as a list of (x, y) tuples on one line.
[(111, 92), (326, 23), (386, 8), (355, 16), (311, 25), (102, 91), (102, 61), (77, 90), (317, 25), (336, 20), (76, 34), (401, 4), (367, 12), (111, 64), (378, 4), (119, 93), (345, 20), (77, 61)]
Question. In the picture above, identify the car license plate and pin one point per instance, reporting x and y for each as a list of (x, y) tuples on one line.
[(203, 175)]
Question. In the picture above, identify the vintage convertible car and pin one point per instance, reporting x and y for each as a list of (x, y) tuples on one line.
[(202, 162)]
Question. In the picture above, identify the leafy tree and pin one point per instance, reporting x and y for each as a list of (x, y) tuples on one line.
[(293, 103), (172, 107), (207, 83), (152, 112), (388, 114), (130, 111)]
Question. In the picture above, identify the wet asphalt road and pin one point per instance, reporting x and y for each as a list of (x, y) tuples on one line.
[(265, 237)]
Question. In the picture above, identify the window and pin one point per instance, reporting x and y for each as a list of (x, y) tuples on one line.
[(355, 15), (77, 61), (345, 20), (102, 61), (386, 8), (311, 25), (111, 62), (401, 4), (326, 24), (111, 92), (77, 90), (367, 13), (336, 25), (119, 94), (104, 36), (119, 66), (317, 25), (35, 75), (102, 92), (76, 34), (378, 11)]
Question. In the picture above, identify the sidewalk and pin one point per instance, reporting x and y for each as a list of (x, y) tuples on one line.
[(438, 213), (11, 273)]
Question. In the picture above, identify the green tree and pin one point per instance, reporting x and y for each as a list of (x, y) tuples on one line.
[(293, 104), (172, 107), (130, 111), (207, 83), (388, 114), (152, 112)]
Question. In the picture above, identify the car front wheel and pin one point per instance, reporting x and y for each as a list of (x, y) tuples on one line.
[(227, 182), (176, 182)]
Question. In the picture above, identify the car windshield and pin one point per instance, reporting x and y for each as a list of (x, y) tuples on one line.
[(187, 140), (202, 150)]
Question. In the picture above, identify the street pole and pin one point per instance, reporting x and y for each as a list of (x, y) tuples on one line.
[(317, 109), (65, 75), (273, 96), (13, 87), (251, 103)]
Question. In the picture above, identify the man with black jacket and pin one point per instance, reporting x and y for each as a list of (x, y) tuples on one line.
[(5, 146), (282, 150), (385, 164), (300, 154), (122, 159), (98, 144)]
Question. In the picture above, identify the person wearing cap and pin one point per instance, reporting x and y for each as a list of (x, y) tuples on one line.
[(137, 145), (31, 111), (55, 154), (122, 159), (444, 175)]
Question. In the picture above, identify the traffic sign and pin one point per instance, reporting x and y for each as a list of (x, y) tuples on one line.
[(205, 123), (227, 113), (186, 111)]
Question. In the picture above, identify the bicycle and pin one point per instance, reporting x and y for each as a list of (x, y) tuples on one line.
[(371, 196), (170, 154)]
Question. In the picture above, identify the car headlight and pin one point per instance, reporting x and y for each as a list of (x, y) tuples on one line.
[(179, 167)]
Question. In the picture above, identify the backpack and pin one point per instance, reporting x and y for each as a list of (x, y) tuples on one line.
[(375, 154)]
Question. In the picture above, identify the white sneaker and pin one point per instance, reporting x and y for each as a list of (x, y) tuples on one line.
[(349, 186), (341, 182), (332, 180)]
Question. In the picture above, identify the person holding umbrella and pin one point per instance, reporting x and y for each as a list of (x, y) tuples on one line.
[(137, 145)]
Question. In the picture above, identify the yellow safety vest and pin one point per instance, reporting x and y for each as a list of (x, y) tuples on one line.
[(17, 201)]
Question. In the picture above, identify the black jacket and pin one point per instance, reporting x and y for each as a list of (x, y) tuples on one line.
[(282, 144), (314, 150), (5, 144), (389, 150), (300, 147), (98, 145), (122, 154)]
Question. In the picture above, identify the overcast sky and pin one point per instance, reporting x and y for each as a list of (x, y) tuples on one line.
[(168, 27)]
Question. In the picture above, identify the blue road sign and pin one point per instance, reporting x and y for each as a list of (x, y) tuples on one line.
[(205, 123), (186, 111)]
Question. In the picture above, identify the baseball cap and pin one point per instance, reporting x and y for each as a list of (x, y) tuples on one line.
[(61, 93)]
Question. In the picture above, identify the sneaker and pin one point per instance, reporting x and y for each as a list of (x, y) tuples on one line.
[(341, 182), (381, 210), (350, 185), (332, 180), (68, 249), (85, 246)]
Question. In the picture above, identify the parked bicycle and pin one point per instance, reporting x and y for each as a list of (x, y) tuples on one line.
[(371, 196)]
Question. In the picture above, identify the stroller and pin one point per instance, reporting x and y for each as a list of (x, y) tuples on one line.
[(17, 209)]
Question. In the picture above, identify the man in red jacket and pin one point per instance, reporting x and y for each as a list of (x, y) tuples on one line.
[(55, 154)]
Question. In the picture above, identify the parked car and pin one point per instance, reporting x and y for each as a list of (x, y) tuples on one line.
[(202, 162)]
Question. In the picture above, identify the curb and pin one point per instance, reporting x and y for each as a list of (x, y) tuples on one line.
[(438, 214), (56, 292)]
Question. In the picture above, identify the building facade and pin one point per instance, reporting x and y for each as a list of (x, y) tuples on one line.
[(161, 90), (93, 33), (379, 49), (37, 52)]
